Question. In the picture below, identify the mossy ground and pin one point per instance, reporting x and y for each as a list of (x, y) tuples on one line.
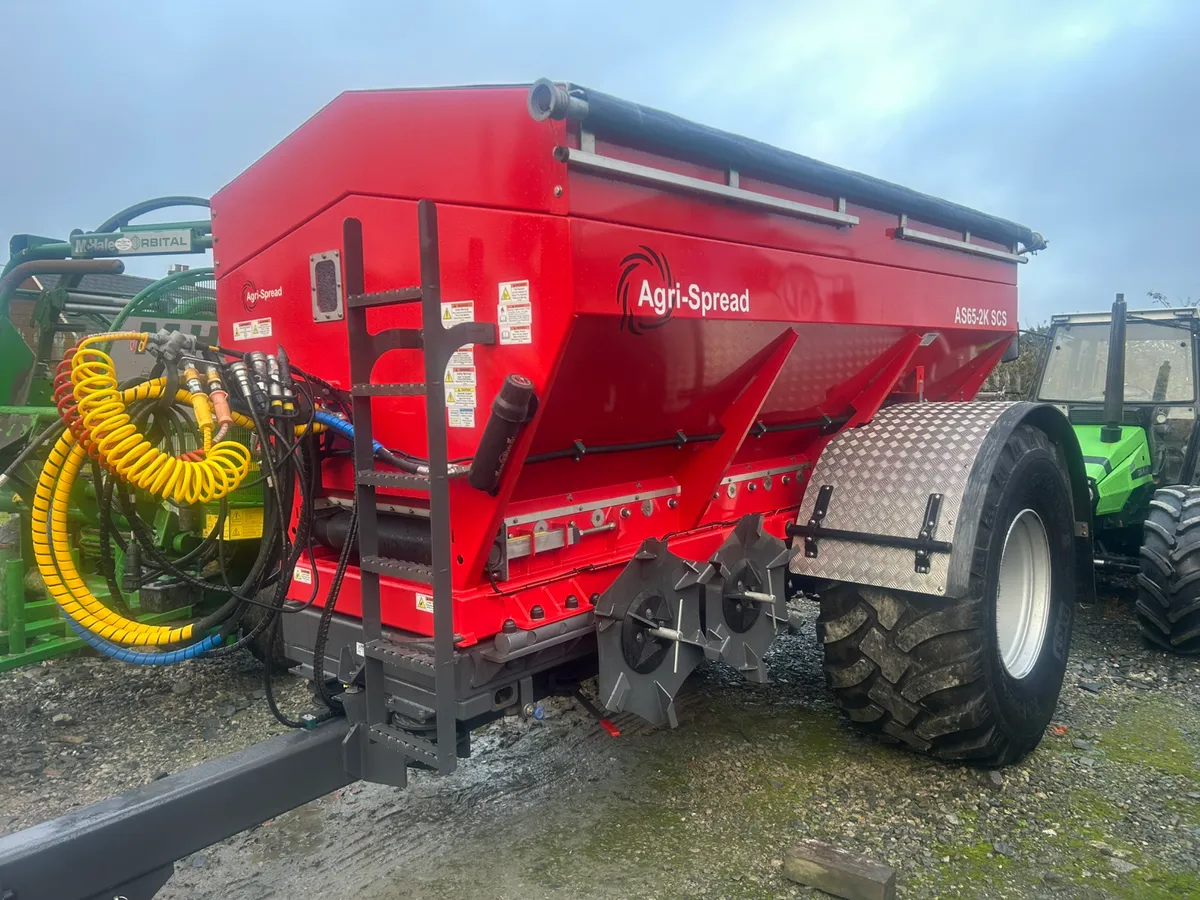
[(713, 806)]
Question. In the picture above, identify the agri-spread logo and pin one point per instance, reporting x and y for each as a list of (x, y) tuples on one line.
[(649, 295), (251, 295)]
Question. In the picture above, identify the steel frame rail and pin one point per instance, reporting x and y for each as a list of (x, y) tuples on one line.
[(126, 847)]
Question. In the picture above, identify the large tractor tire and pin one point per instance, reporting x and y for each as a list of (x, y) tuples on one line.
[(267, 646), (974, 678), (1168, 606)]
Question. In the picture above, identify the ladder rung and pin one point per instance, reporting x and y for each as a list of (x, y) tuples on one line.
[(385, 298), (414, 389), (382, 565), (400, 656), (413, 747), (393, 479)]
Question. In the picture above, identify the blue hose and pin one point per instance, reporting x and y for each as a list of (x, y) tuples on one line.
[(342, 427), (141, 657)]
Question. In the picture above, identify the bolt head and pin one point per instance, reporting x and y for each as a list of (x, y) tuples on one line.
[(537, 613), (558, 191)]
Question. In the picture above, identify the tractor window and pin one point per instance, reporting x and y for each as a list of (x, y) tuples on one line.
[(1158, 364)]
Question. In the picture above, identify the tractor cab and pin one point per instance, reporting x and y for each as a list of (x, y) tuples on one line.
[(1127, 382)]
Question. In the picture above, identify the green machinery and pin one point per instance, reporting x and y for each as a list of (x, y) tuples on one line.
[(52, 293), (1127, 382)]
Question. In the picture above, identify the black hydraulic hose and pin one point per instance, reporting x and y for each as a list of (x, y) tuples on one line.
[(50, 432), (230, 612), (303, 537), (269, 682), (275, 605), (166, 399), (107, 566), (326, 620)]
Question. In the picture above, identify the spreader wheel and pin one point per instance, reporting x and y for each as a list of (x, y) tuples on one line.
[(746, 607), (974, 678), (648, 634)]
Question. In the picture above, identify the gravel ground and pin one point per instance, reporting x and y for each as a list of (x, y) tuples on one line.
[(1108, 806)]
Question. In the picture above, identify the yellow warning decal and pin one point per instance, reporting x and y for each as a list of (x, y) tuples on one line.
[(242, 524)]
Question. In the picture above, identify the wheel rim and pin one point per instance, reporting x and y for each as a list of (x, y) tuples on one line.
[(1023, 594)]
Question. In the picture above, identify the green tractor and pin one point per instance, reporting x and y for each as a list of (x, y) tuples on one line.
[(52, 293), (1127, 383)]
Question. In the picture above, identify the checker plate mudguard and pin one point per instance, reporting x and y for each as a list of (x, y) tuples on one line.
[(883, 473)]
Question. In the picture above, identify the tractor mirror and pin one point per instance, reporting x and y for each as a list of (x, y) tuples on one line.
[(1013, 351)]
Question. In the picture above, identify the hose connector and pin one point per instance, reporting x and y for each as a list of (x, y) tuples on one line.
[(131, 576), (257, 360), (191, 380), (220, 400), (274, 386), (548, 100), (242, 376), (285, 380)]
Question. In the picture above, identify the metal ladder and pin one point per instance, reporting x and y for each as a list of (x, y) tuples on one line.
[(375, 741)]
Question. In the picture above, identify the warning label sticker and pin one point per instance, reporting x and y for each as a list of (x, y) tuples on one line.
[(460, 376), (458, 311), (302, 574), (463, 357), (251, 328), (460, 396), (514, 313), (516, 334), (424, 603), (460, 417), (514, 292), (240, 524)]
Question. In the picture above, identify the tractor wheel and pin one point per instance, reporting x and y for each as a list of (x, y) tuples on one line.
[(267, 646), (1168, 606), (975, 678)]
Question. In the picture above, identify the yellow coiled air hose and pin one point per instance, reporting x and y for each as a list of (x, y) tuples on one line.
[(126, 452), (52, 550)]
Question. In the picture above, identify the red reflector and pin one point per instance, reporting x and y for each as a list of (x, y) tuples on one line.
[(610, 728)]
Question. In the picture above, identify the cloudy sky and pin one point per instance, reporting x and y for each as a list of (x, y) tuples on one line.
[(1079, 119)]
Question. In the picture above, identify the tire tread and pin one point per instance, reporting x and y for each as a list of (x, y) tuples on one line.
[(916, 660), (1168, 604)]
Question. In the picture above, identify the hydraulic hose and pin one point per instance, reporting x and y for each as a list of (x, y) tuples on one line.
[(108, 423), (52, 550), (51, 430), (143, 657), (127, 453), (342, 427), (346, 430)]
